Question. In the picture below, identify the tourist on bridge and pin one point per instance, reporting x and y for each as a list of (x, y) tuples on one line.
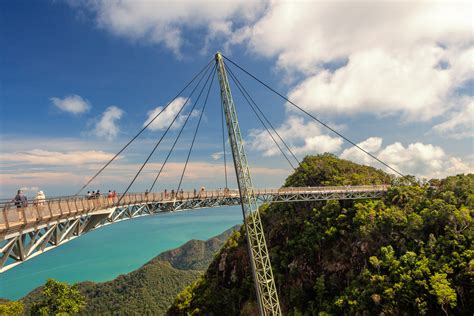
[(21, 202), (38, 202), (110, 196), (89, 195), (39, 199), (172, 194), (20, 199), (181, 193)]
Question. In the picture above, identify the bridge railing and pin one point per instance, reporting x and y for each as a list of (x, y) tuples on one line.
[(335, 189), (33, 212), (16, 214)]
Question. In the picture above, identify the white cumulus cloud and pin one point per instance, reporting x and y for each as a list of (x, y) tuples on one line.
[(163, 22), (217, 155), (407, 59), (107, 127), (74, 104), (306, 34), (403, 58), (302, 138), (55, 158), (383, 83), (460, 124), (423, 160), (393, 57), (166, 117)]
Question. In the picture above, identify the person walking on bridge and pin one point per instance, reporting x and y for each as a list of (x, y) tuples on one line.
[(20, 199), (21, 202), (38, 202), (39, 199)]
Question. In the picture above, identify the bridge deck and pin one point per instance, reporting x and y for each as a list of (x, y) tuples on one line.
[(14, 217), (27, 231)]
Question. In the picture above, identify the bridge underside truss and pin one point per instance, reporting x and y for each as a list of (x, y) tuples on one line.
[(21, 241), (319, 196)]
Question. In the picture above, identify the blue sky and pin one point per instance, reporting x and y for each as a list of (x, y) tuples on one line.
[(79, 78)]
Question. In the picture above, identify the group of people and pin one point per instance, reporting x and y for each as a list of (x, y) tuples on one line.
[(180, 194), (173, 194), (97, 194), (21, 200)]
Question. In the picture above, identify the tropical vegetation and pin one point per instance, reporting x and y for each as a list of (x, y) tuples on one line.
[(408, 253)]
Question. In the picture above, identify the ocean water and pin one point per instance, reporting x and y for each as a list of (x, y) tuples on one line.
[(107, 252)]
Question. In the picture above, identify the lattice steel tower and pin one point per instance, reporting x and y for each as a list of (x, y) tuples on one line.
[(267, 296)]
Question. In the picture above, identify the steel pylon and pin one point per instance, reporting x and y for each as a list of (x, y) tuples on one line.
[(267, 296)]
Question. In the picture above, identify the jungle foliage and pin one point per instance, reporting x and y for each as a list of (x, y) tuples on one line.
[(58, 298), (409, 253), (12, 308)]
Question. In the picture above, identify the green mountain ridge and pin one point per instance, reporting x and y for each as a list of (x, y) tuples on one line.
[(150, 289), (409, 253)]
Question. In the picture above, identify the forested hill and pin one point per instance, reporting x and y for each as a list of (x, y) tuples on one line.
[(408, 254), (151, 289)]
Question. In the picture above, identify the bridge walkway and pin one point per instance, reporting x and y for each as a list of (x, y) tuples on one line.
[(28, 231), (17, 217)]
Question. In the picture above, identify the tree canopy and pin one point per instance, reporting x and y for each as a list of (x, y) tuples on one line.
[(59, 299), (13, 308)]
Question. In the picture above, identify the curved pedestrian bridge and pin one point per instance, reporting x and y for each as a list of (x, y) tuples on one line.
[(29, 230)]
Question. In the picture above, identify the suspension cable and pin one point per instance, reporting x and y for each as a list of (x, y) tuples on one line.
[(315, 118), (141, 131), (313, 182), (176, 140), (223, 143), (196, 131), (264, 116), (164, 134), (258, 116)]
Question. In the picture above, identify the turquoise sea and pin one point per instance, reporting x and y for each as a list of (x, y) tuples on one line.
[(107, 252)]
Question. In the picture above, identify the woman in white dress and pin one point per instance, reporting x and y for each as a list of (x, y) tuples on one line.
[(38, 202)]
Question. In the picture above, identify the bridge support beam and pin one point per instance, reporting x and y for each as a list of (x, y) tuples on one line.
[(267, 296)]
